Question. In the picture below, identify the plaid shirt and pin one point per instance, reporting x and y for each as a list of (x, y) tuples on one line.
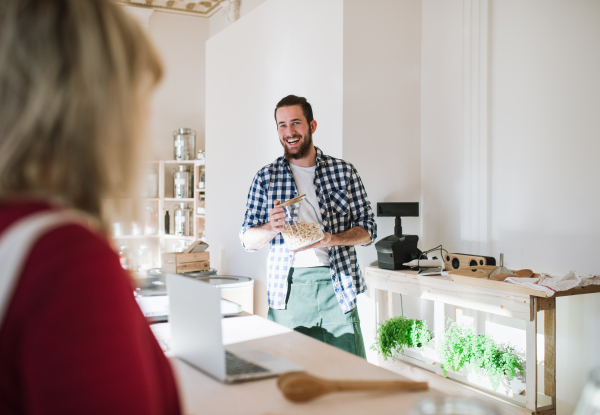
[(343, 203)]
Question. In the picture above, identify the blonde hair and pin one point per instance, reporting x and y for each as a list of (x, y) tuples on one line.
[(73, 77)]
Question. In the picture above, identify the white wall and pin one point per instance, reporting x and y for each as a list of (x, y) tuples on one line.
[(382, 116), (179, 99), (251, 65), (441, 115), (544, 101)]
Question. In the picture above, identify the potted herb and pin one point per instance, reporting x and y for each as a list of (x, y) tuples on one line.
[(460, 347), (398, 333)]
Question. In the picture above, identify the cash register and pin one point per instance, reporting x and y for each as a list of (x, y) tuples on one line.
[(397, 249)]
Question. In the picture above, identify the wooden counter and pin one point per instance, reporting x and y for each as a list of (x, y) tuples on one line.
[(202, 394)]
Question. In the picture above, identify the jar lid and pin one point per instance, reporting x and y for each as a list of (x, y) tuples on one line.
[(183, 167), (185, 130), (292, 201)]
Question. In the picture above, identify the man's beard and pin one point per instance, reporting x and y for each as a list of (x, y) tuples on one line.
[(303, 149)]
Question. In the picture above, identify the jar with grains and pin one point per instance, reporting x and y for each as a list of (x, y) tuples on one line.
[(303, 225)]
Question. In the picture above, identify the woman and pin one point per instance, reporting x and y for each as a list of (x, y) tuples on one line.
[(75, 77)]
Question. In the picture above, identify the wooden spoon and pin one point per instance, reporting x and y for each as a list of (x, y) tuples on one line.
[(522, 273), (302, 387)]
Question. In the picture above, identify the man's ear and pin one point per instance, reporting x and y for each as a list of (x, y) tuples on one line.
[(313, 126)]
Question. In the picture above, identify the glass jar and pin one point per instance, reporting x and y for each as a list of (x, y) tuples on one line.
[(183, 220), (303, 225), (124, 257), (182, 178), (184, 144), (150, 220), (144, 258), (201, 179)]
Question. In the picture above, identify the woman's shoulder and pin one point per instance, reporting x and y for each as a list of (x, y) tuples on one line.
[(70, 258)]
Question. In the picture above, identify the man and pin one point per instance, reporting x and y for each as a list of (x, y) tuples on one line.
[(313, 290)]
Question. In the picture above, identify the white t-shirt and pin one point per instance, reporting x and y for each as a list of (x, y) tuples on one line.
[(305, 182)]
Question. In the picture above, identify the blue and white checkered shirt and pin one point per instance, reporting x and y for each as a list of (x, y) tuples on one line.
[(343, 203)]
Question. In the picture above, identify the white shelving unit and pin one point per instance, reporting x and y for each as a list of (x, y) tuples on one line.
[(160, 242)]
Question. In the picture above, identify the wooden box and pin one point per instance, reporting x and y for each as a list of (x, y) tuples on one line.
[(185, 262)]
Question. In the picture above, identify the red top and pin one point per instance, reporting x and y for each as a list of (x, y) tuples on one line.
[(73, 339)]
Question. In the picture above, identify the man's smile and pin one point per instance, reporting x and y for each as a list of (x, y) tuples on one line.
[(292, 141)]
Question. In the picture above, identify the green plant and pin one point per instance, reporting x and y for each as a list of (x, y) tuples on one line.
[(460, 347), (397, 333)]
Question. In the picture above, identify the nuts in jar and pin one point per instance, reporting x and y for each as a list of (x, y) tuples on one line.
[(303, 226)]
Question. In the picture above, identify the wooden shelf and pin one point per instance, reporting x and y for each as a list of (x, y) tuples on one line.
[(188, 238), (173, 199), (416, 371), (193, 161), (494, 297)]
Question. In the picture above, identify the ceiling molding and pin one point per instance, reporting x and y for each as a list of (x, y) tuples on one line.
[(142, 15), (205, 8)]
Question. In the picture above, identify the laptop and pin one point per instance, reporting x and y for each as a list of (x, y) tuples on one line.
[(195, 320)]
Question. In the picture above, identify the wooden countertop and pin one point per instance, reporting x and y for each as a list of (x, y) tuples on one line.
[(202, 394)]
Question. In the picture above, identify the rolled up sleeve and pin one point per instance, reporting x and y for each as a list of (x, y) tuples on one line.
[(256, 209), (362, 214)]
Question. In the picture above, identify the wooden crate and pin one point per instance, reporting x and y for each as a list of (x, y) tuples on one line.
[(185, 262)]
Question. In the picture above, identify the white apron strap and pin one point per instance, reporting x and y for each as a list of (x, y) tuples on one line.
[(16, 243)]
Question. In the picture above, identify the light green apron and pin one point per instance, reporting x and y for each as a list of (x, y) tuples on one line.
[(313, 309)]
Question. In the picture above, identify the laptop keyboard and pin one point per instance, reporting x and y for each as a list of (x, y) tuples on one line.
[(237, 366)]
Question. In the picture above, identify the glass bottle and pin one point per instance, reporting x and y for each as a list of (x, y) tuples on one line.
[(150, 220), (183, 220), (303, 225), (181, 182)]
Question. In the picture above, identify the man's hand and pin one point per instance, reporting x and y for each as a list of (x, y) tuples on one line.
[(259, 236), (277, 217), (321, 244), (353, 236)]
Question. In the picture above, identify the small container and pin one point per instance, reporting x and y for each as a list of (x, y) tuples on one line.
[(184, 144), (182, 178), (144, 258), (150, 220), (201, 158), (201, 179), (124, 257), (183, 220), (303, 225)]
